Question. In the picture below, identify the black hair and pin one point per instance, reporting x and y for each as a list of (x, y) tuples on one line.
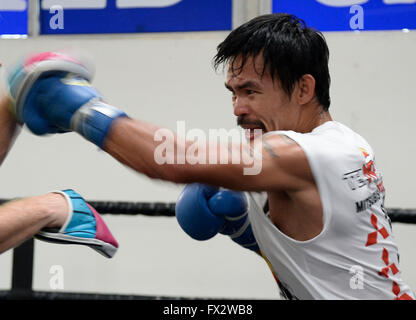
[(290, 50)]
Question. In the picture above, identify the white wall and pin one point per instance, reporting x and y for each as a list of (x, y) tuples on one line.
[(168, 77)]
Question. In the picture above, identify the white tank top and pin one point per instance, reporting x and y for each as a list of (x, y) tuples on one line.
[(355, 255)]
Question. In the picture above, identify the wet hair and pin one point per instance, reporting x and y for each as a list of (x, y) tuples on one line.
[(290, 50)]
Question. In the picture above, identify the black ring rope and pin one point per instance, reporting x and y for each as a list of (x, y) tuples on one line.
[(167, 209), (402, 215), (134, 208)]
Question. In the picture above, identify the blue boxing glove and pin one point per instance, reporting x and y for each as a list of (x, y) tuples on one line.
[(204, 211), (52, 94), (70, 104)]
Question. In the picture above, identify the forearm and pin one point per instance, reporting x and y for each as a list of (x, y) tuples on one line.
[(23, 218), (132, 143), (9, 129)]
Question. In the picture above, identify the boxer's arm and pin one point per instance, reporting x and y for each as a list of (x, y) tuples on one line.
[(50, 99), (283, 165), (21, 219), (8, 128)]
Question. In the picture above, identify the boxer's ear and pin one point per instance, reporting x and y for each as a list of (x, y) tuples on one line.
[(305, 89)]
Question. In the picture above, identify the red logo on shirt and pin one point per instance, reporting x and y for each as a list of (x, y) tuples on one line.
[(372, 236), (369, 168)]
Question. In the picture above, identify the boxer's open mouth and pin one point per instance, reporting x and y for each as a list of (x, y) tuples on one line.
[(253, 131)]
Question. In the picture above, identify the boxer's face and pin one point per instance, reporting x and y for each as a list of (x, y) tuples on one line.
[(258, 101)]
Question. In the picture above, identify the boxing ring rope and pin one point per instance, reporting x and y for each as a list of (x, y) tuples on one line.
[(22, 272)]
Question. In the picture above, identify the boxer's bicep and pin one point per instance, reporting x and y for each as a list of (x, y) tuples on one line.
[(276, 163)]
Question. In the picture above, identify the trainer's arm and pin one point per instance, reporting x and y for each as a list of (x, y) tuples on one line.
[(8, 128), (21, 219), (283, 163)]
